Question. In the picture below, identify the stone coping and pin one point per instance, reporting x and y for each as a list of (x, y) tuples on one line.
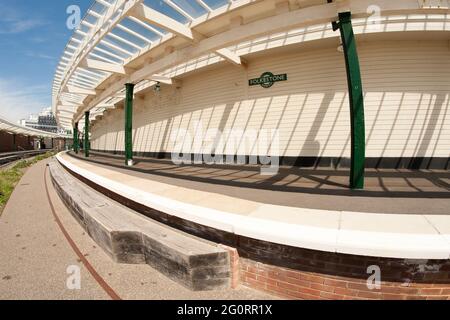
[(400, 236)]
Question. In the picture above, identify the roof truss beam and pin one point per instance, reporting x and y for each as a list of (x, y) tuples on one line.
[(69, 102), (103, 66), (67, 108), (165, 80), (149, 15), (230, 56), (78, 90), (152, 16)]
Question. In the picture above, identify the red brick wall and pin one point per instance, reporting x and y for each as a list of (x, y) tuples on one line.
[(22, 143), (7, 142), (295, 284), (60, 144), (234, 265), (309, 274)]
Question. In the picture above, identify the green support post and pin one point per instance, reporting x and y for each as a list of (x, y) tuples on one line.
[(75, 138), (129, 124), (356, 97), (86, 134)]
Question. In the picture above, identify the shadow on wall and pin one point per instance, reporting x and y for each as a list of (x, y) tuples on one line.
[(405, 116), (432, 129), (419, 137)]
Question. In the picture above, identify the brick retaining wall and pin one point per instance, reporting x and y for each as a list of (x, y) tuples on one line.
[(7, 143), (298, 273)]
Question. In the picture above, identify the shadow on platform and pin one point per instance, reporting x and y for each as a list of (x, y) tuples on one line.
[(379, 182)]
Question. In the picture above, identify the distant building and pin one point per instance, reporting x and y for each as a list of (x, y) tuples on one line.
[(44, 121)]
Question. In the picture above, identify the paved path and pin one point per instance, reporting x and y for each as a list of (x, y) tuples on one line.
[(35, 255)]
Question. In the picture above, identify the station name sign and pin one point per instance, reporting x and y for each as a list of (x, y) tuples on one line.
[(267, 80)]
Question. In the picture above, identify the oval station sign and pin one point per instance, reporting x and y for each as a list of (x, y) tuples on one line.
[(267, 80)]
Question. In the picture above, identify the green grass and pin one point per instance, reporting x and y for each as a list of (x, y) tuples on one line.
[(10, 177)]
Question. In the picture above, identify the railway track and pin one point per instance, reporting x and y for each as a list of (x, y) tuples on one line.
[(9, 157)]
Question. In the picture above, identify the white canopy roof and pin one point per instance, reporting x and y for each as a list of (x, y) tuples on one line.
[(111, 34), (138, 41)]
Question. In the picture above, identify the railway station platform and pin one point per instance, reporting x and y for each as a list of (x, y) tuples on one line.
[(301, 233), (427, 191)]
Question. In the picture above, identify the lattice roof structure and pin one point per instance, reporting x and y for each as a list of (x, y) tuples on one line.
[(148, 41)]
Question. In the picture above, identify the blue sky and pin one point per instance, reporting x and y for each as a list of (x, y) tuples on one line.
[(33, 35)]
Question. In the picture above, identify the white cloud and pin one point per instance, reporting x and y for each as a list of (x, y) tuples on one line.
[(41, 56), (18, 100), (12, 21), (39, 39), (18, 26)]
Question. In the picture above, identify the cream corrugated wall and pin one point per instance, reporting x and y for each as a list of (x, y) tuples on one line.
[(406, 84)]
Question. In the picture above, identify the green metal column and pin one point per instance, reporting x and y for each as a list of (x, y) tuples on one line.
[(358, 138), (75, 138), (86, 134), (129, 124)]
